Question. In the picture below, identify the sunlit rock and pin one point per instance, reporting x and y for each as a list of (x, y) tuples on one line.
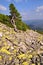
[(20, 47), (1, 34)]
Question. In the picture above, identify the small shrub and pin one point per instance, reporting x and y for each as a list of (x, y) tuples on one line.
[(41, 32), (21, 26), (5, 20)]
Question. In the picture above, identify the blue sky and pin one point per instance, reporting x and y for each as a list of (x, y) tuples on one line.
[(29, 9)]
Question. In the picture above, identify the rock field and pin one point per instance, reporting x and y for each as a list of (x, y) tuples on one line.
[(20, 48)]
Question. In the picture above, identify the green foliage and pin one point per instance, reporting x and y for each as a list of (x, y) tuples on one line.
[(14, 12), (41, 32), (12, 9), (17, 17), (6, 20), (21, 26)]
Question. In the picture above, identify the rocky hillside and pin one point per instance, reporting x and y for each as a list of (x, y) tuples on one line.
[(20, 48)]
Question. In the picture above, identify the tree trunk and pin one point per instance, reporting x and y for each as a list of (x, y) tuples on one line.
[(13, 23)]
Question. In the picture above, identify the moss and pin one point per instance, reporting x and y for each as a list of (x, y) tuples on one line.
[(14, 51), (5, 43), (30, 56), (22, 56), (7, 47), (10, 58), (3, 38), (0, 57), (25, 63), (12, 31), (40, 38), (3, 50)]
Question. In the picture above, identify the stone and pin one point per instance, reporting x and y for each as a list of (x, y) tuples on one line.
[(41, 43), (22, 46), (0, 34), (17, 48)]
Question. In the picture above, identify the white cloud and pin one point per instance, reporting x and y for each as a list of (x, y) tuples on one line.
[(29, 15), (3, 8), (40, 8), (8, 0), (20, 0), (17, 1), (25, 15)]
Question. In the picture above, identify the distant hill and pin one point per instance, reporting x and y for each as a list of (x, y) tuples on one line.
[(35, 24), (38, 24)]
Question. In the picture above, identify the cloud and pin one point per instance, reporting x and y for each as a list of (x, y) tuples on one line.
[(17, 1), (20, 0), (40, 8), (31, 15), (8, 0), (25, 15), (39, 12), (3, 8)]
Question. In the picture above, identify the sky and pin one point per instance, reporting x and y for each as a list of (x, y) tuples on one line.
[(29, 9)]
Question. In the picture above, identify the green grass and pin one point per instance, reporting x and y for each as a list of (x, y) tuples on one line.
[(21, 25), (5, 20), (41, 32)]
